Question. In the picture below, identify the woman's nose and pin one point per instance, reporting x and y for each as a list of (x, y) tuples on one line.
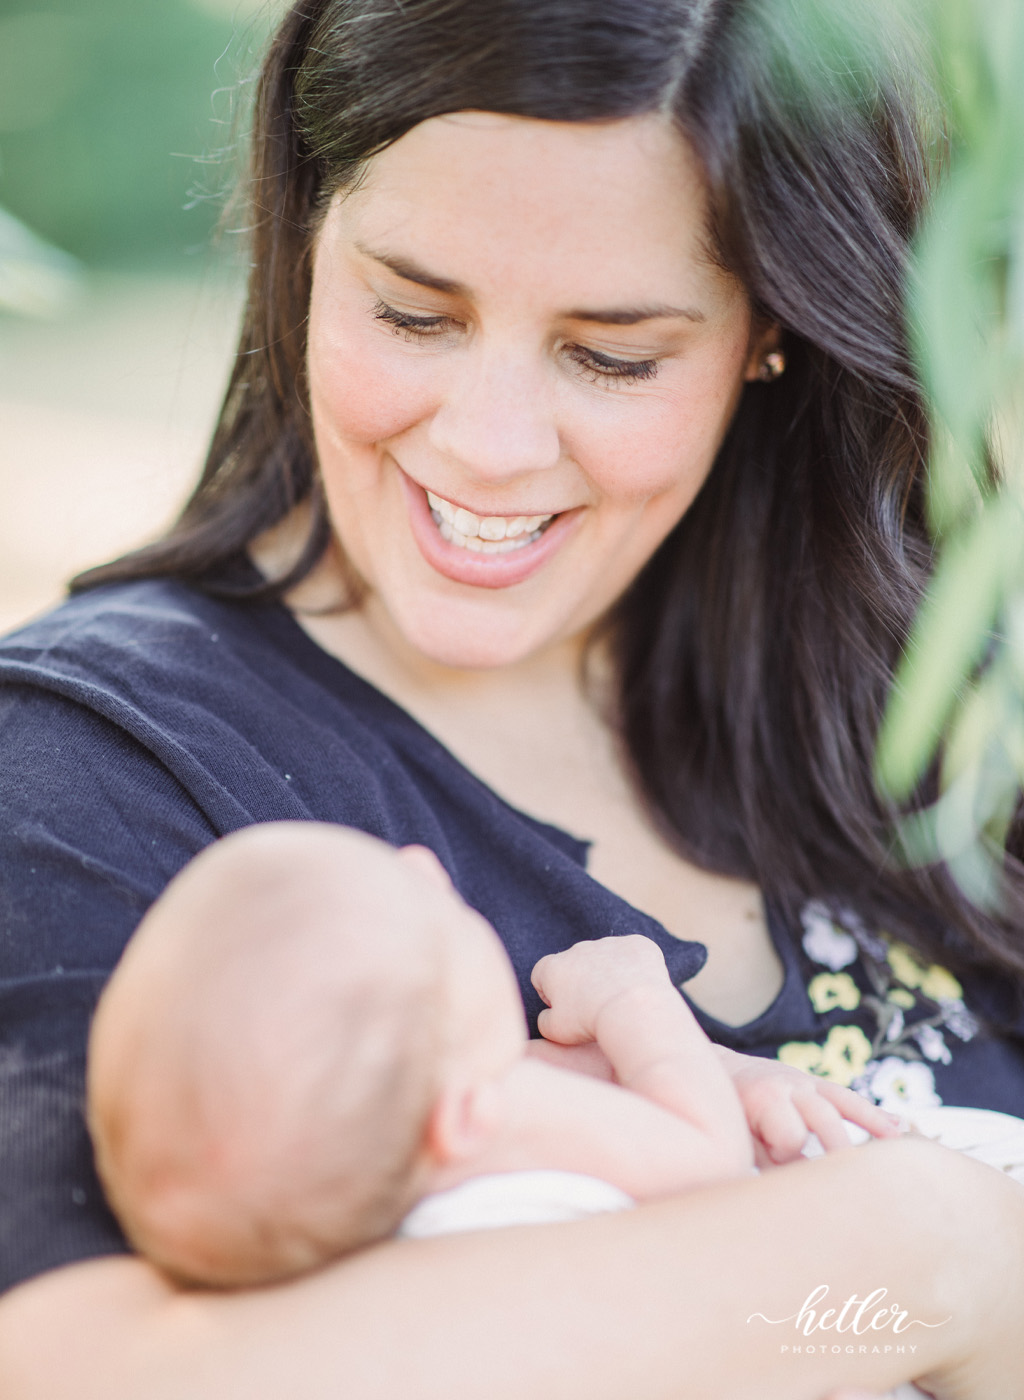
[(496, 420)]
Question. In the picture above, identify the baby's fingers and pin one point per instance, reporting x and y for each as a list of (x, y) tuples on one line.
[(823, 1120), (856, 1109), (563, 1030), (781, 1129), (537, 976)]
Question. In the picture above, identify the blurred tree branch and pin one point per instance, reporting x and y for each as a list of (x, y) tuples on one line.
[(959, 695)]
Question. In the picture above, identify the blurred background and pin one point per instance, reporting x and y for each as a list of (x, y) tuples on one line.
[(122, 126)]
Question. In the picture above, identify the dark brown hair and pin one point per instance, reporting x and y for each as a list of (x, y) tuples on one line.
[(757, 647)]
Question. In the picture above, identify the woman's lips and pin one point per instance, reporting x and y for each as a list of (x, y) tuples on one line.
[(481, 570)]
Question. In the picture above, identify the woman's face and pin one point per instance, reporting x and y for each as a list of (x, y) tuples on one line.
[(522, 362)]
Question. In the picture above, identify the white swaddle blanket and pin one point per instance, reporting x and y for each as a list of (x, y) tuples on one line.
[(513, 1198), (544, 1197)]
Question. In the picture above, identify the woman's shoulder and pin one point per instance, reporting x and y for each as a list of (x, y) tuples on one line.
[(160, 617), (162, 660), (231, 698)]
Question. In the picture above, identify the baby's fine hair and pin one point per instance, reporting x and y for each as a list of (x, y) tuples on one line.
[(264, 1061)]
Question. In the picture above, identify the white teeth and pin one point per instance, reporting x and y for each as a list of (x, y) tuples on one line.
[(479, 546), (444, 508), (484, 534)]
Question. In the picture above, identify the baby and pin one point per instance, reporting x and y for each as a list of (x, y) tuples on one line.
[(311, 1036)]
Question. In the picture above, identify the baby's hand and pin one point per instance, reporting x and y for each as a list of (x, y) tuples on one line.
[(579, 983), (783, 1105)]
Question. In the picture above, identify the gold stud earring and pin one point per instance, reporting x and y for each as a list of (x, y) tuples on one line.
[(772, 366)]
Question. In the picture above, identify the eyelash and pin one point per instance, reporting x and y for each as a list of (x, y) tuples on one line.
[(596, 366)]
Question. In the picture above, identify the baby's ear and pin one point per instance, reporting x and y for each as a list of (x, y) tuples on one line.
[(463, 1122), (424, 860)]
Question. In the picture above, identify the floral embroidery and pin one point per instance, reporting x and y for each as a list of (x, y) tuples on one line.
[(833, 989), (897, 1084), (907, 1007), (801, 1054), (843, 1057), (934, 981), (824, 941), (933, 1046), (899, 997)]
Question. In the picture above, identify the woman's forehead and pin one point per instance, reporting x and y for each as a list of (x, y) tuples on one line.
[(478, 199)]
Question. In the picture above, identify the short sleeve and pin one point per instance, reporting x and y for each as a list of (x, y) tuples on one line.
[(92, 827)]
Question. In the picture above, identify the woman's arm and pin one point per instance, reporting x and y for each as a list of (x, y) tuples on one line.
[(653, 1303)]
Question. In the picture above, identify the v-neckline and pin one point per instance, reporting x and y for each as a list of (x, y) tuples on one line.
[(331, 667)]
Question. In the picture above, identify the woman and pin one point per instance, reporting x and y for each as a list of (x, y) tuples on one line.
[(564, 516)]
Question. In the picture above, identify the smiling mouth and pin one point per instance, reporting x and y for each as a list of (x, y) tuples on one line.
[(485, 534)]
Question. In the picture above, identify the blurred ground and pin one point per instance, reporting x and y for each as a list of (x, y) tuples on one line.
[(104, 417)]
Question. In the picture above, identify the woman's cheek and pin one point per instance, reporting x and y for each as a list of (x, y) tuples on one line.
[(658, 448), (665, 443), (364, 390)]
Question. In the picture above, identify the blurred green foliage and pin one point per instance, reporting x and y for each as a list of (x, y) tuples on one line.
[(960, 693), (115, 116), (35, 278)]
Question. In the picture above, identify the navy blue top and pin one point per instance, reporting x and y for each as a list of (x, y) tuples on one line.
[(139, 722)]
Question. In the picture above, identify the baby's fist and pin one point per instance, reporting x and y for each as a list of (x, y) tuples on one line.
[(579, 983)]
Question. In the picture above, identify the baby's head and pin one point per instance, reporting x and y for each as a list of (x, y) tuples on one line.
[(306, 1024)]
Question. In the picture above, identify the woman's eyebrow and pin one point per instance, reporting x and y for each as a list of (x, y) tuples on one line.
[(607, 316), (630, 315), (412, 272)]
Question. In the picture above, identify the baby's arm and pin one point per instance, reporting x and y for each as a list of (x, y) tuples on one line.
[(782, 1105), (616, 992)]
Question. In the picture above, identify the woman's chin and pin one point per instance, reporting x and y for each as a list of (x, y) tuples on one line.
[(471, 643)]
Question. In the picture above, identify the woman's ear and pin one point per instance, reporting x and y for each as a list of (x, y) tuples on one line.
[(765, 351), (463, 1122)]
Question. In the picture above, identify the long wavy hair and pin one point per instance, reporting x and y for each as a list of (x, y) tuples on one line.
[(756, 649)]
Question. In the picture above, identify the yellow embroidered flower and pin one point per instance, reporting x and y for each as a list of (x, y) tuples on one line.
[(845, 1053), (934, 981), (899, 996), (831, 989), (941, 985), (842, 1058), (906, 965), (800, 1054)]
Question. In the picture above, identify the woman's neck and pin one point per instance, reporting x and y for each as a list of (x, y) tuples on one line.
[(545, 690)]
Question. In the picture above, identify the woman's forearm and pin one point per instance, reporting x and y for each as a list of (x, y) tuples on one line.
[(653, 1303)]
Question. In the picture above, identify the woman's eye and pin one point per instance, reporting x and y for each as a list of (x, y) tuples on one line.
[(600, 367), (411, 326), (597, 367)]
